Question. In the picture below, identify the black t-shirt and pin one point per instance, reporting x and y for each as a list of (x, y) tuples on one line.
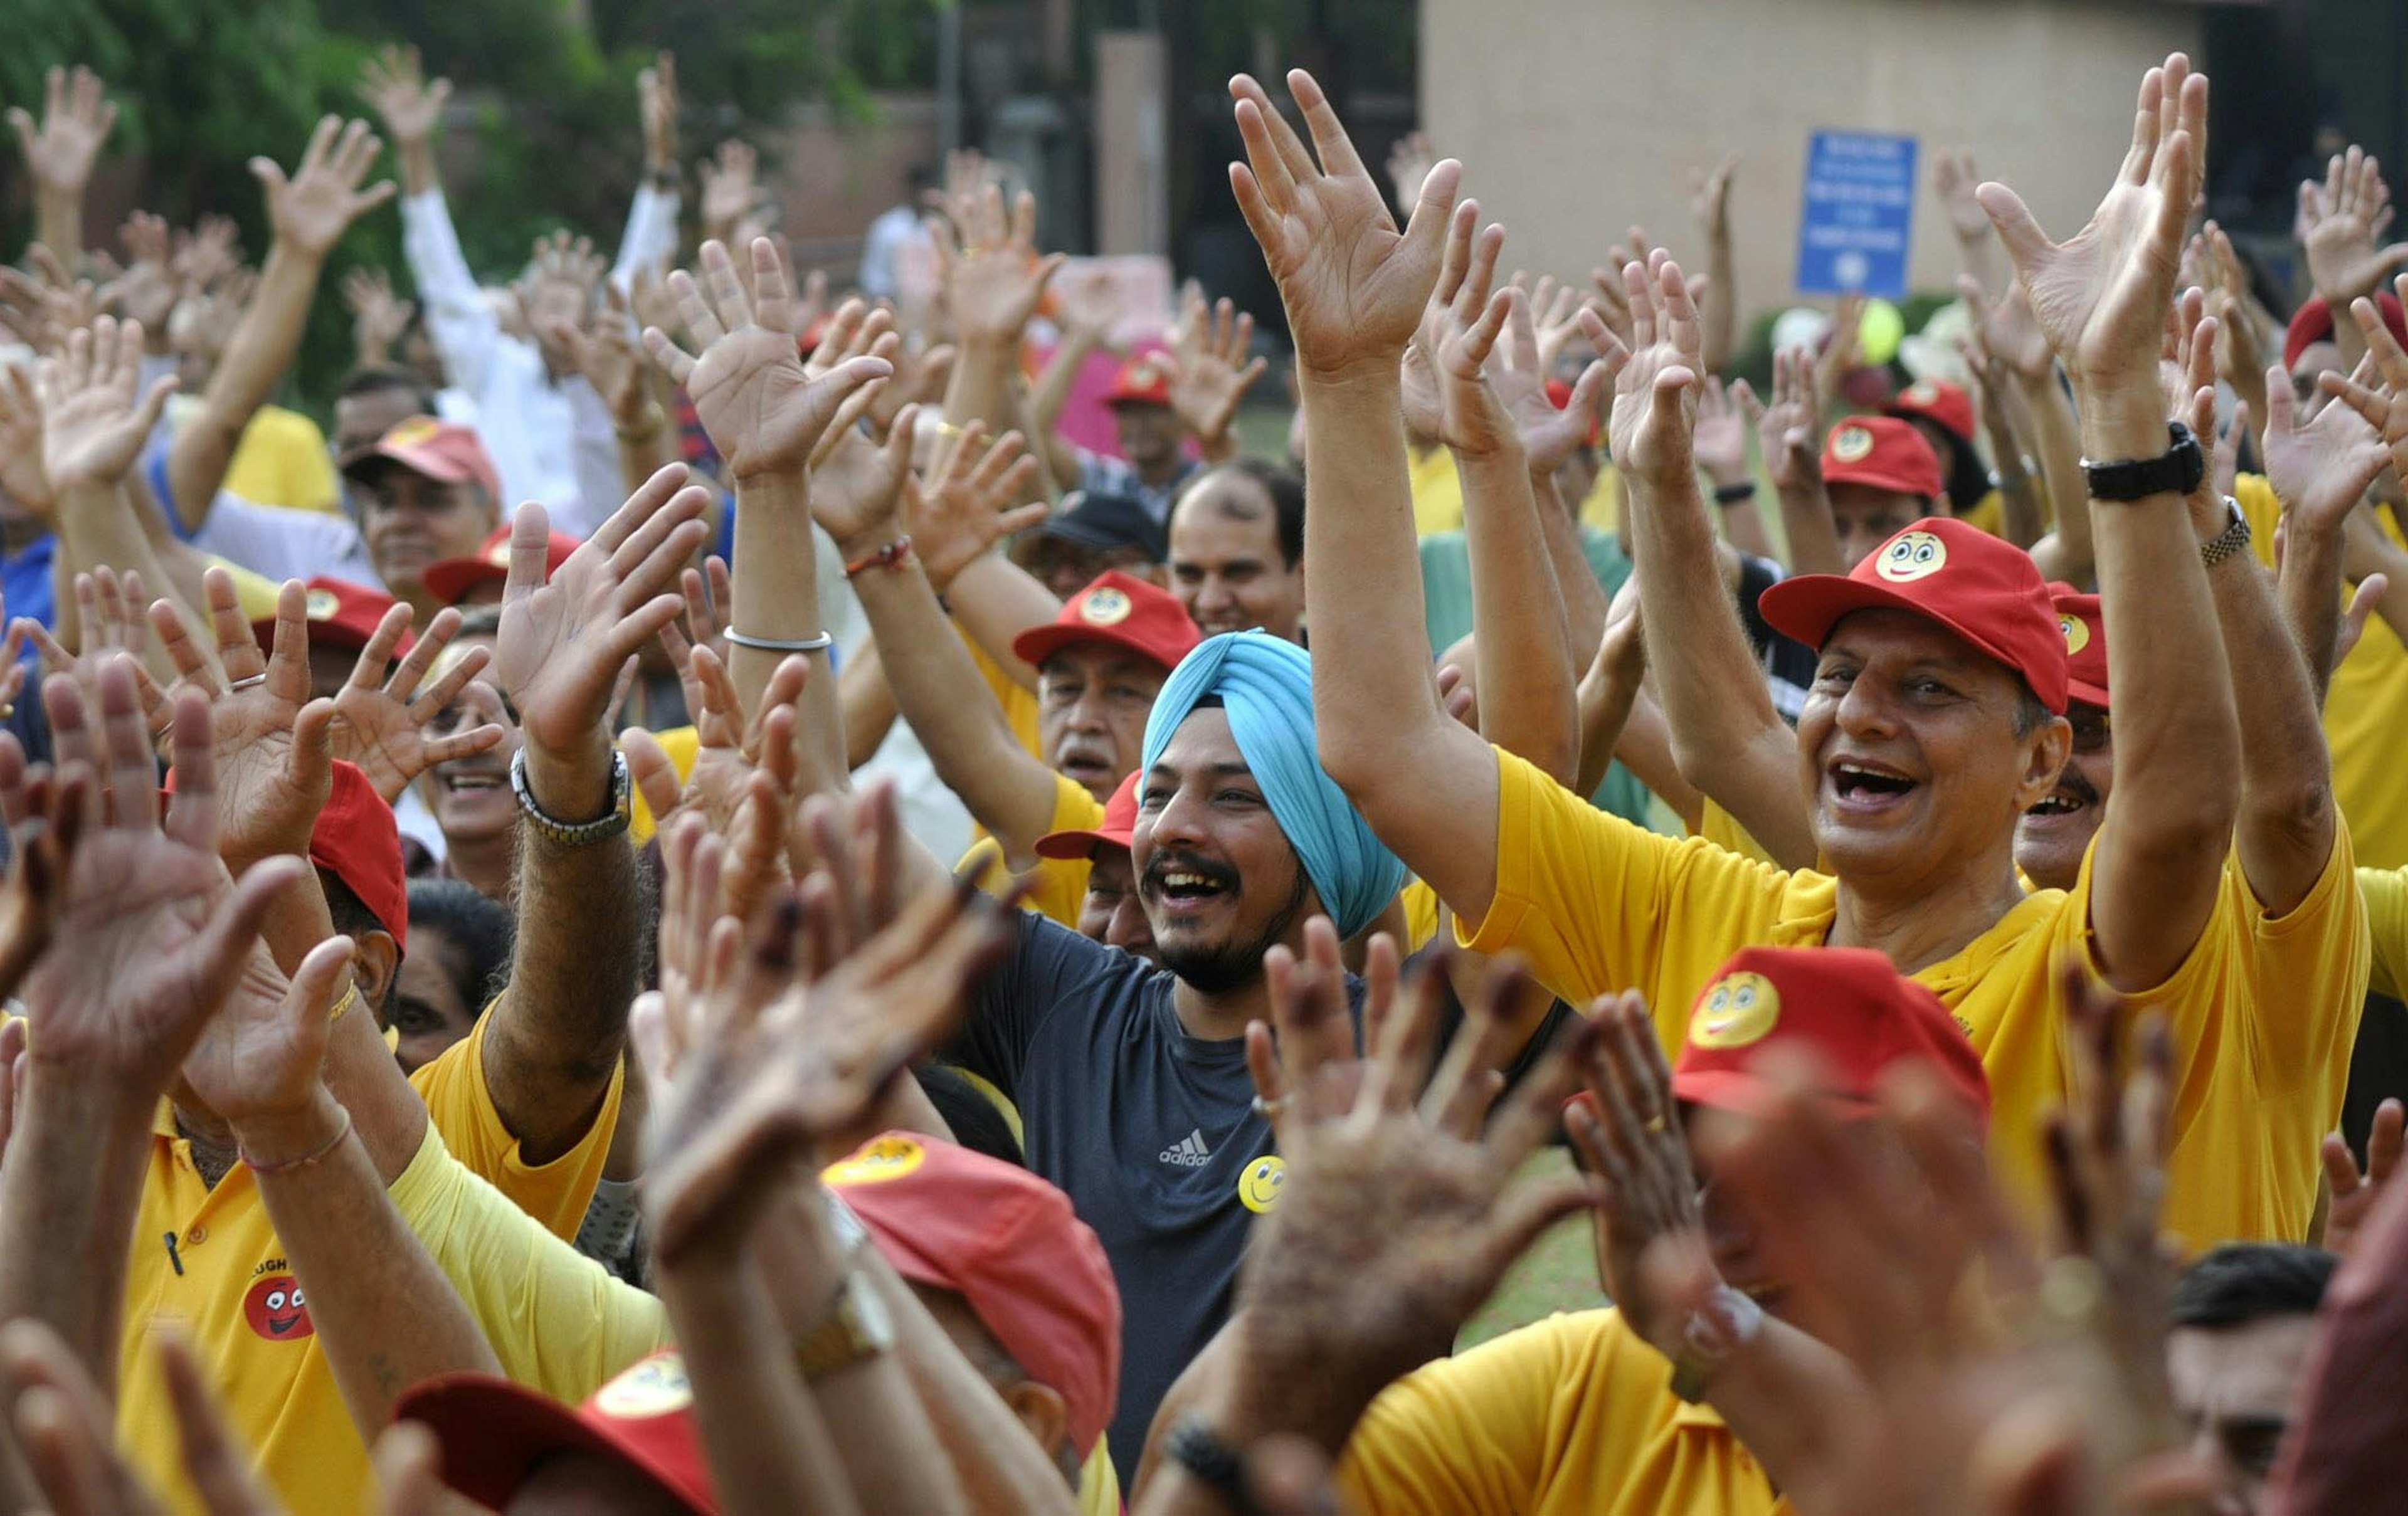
[(1151, 1132), (1789, 665)]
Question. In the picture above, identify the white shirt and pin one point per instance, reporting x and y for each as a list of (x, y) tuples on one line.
[(280, 544)]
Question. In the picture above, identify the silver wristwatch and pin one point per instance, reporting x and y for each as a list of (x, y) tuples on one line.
[(2233, 538)]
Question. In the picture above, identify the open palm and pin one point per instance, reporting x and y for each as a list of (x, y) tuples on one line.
[(94, 417), (1353, 286), (1655, 394), (2319, 470)]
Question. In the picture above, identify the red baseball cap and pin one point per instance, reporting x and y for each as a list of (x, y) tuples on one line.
[(453, 578), (1119, 825), (1120, 609), (342, 615), (1559, 395), (442, 450), (356, 840), (2312, 322), (1034, 1274), (1143, 380), (1984, 590), (2084, 626), (1851, 1005), (494, 1432), (1938, 401), (1884, 453)]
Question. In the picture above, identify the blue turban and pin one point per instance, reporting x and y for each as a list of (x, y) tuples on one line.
[(1266, 685)]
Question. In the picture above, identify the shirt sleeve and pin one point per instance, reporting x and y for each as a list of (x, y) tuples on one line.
[(1047, 966), (1590, 899), (557, 1320), (651, 238), (280, 544), (2310, 972), (1465, 1434), (2385, 890), (461, 326), (461, 1103)]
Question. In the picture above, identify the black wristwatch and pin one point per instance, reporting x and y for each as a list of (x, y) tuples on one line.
[(1210, 1461), (2176, 471)]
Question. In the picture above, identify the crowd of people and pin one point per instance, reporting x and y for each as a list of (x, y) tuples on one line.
[(697, 910)]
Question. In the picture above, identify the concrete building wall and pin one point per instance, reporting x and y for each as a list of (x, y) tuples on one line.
[(1576, 118)]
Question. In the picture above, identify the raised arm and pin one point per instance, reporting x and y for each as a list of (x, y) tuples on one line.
[(1091, 307), (1953, 179), (1210, 371), (77, 118), (1354, 290), (1720, 317), (1726, 738), (381, 1306), (1523, 657), (310, 213), (2338, 221), (994, 279), (555, 1038), (2013, 337), (1790, 433), (2103, 300)]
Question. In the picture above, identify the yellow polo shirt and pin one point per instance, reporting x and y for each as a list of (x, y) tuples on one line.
[(2385, 891), (1018, 701), (1572, 1416), (1436, 490), (225, 1280), (2366, 710), (1598, 905), (1056, 886), (1986, 513), (680, 744), (283, 459)]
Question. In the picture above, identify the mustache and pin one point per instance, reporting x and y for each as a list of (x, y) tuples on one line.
[(2074, 784), (1164, 864)]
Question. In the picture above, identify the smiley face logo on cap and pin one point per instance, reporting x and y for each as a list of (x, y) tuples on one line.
[(1740, 1009), (1106, 607), (1141, 376), (1910, 556), (888, 1158), (1920, 393), (2077, 633), (1260, 1186), (410, 433), (658, 1386), (1852, 443), (322, 605)]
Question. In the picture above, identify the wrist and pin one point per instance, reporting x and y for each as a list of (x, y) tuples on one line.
[(867, 539), (280, 1137), (1377, 373), (74, 1095), (1724, 474), (572, 786), (2122, 421)]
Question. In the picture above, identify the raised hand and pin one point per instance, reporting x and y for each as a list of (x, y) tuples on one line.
[(20, 443), (1629, 1132), (145, 290), (857, 483), (1789, 431), (77, 118), (657, 102), (603, 348), (1396, 1216), (312, 209), (558, 288), (1446, 390), (1709, 199), (1721, 438), (920, 380), (2354, 1193), (149, 939), (385, 726), (1655, 395), (2009, 331), (993, 275), (273, 744), (258, 1063), (1092, 303), (397, 90), (762, 411), (94, 414), (2338, 226), (209, 255), (729, 751), (1356, 289), (773, 1064), (378, 317), (109, 615), (566, 634), (1841, 350), (1211, 370), (1953, 179), (1555, 319), (2384, 405), (969, 502), (1519, 371), (2101, 297), (1410, 162), (2319, 469), (729, 188)]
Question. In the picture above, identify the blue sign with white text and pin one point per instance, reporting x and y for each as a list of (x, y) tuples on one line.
[(1858, 219)]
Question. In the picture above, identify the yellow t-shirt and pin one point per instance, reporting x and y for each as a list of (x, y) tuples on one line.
[(680, 743), (2366, 710), (1721, 828), (1018, 701), (2385, 890), (1438, 492), (225, 1280), (1602, 509), (1571, 1416), (1984, 513), (1056, 886), (1598, 905), (1421, 914), (282, 460)]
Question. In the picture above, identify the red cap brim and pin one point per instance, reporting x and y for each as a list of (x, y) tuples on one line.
[(2088, 693), (1040, 643), (1075, 845), (1805, 608), (453, 578), (1744, 1094), (493, 1433)]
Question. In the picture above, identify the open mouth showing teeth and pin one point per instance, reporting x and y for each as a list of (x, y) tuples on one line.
[(1187, 886), (2062, 803), (1853, 781), (470, 783)]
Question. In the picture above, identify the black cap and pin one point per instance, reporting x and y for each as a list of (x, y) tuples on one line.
[(1101, 522)]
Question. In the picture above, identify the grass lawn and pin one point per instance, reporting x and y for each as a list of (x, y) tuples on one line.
[(1559, 1274)]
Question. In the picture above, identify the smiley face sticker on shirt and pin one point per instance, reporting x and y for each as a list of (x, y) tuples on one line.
[(1911, 556), (1260, 1186), (1740, 1009), (274, 1309)]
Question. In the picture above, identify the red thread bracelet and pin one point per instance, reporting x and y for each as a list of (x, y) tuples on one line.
[(893, 555)]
